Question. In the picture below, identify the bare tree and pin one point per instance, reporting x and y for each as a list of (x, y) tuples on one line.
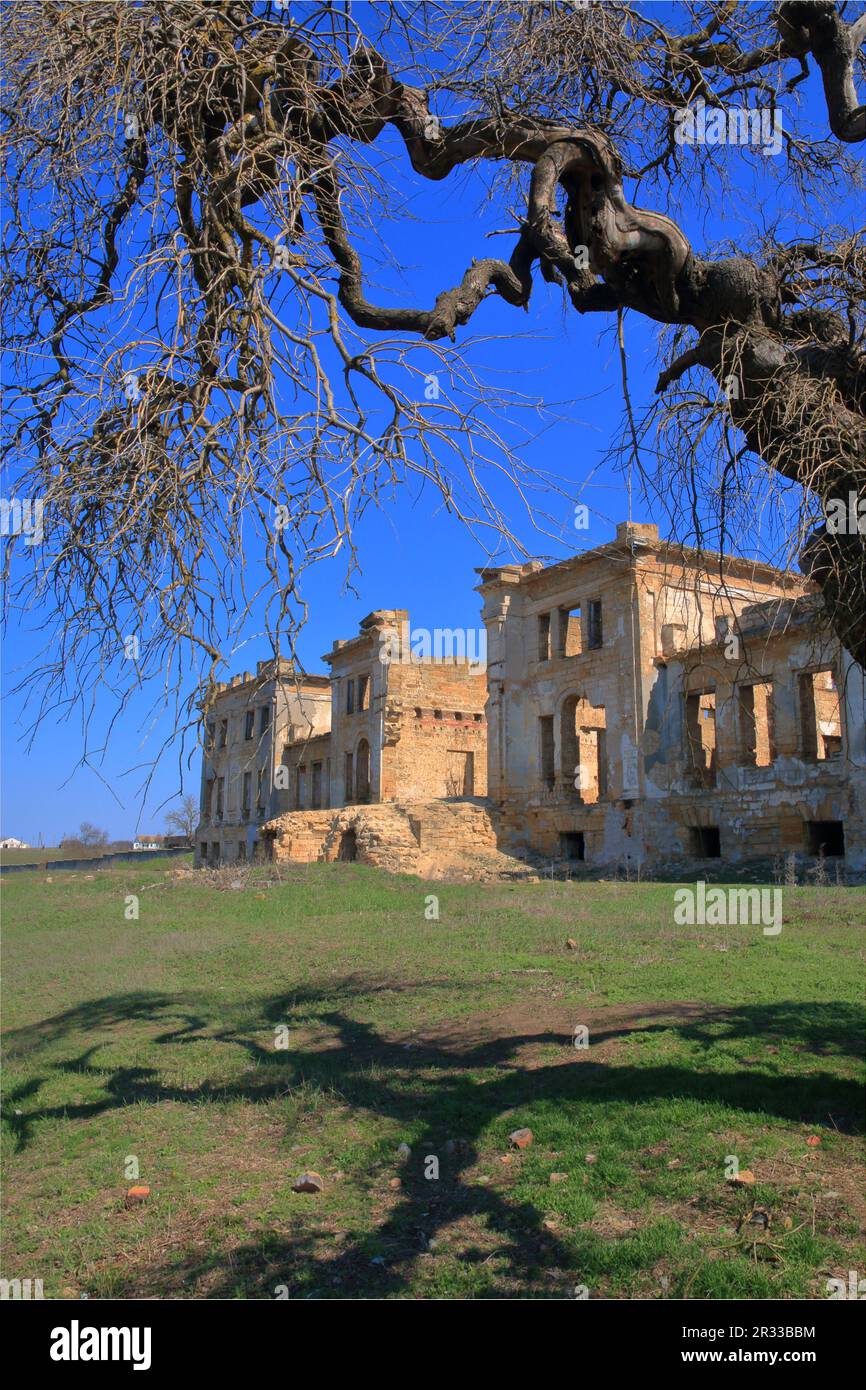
[(201, 358), (87, 837), (183, 818)]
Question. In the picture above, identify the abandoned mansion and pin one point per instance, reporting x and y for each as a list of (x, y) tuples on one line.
[(642, 704)]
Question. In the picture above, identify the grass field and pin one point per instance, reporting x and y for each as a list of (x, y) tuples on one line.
[(156, 1040), (31, 855)]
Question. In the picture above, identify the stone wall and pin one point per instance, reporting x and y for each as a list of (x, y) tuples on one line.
[(415, 728), (652, 705), (435, 736), (435, 839), (790, 765), (304, 776), (247, 722)]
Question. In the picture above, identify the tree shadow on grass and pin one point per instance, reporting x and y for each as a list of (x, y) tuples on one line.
[(441, 1083)]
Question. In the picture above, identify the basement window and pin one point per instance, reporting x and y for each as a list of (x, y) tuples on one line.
[(544, 637), (705, 842), (570, 636), (571, 845), (825, 837)]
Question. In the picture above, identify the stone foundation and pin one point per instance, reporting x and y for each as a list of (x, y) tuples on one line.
[(434, 839)]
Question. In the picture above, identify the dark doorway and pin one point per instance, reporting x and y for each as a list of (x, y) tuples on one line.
[(348, 846), (571, 845), (362, 772), (825, 837), (706, 843)]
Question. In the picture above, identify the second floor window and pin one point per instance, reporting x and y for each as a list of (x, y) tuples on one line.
[(224, 732), (264, 719), (544, 637), (249, 723), (594, 635), (350, 697)]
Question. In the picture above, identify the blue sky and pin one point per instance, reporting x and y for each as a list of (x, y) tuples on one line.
[(413, 554)]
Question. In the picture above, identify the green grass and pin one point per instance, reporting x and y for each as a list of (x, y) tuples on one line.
[(155, 1038), (35, 856)]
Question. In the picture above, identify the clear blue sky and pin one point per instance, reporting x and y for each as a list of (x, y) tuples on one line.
[(413, 554)]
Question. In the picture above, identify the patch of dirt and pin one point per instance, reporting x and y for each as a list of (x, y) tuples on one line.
[(538, 1025), (611, 1223)]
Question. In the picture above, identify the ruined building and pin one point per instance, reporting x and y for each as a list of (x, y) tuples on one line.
[(652, 705), (247, 723), (402, 728), (391, 723), (644, 704)]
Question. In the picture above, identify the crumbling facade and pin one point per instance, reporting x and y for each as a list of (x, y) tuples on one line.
[(405, 725), (651, 705), (771, 760), (391, 722), (644, 705), (248, 721)]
